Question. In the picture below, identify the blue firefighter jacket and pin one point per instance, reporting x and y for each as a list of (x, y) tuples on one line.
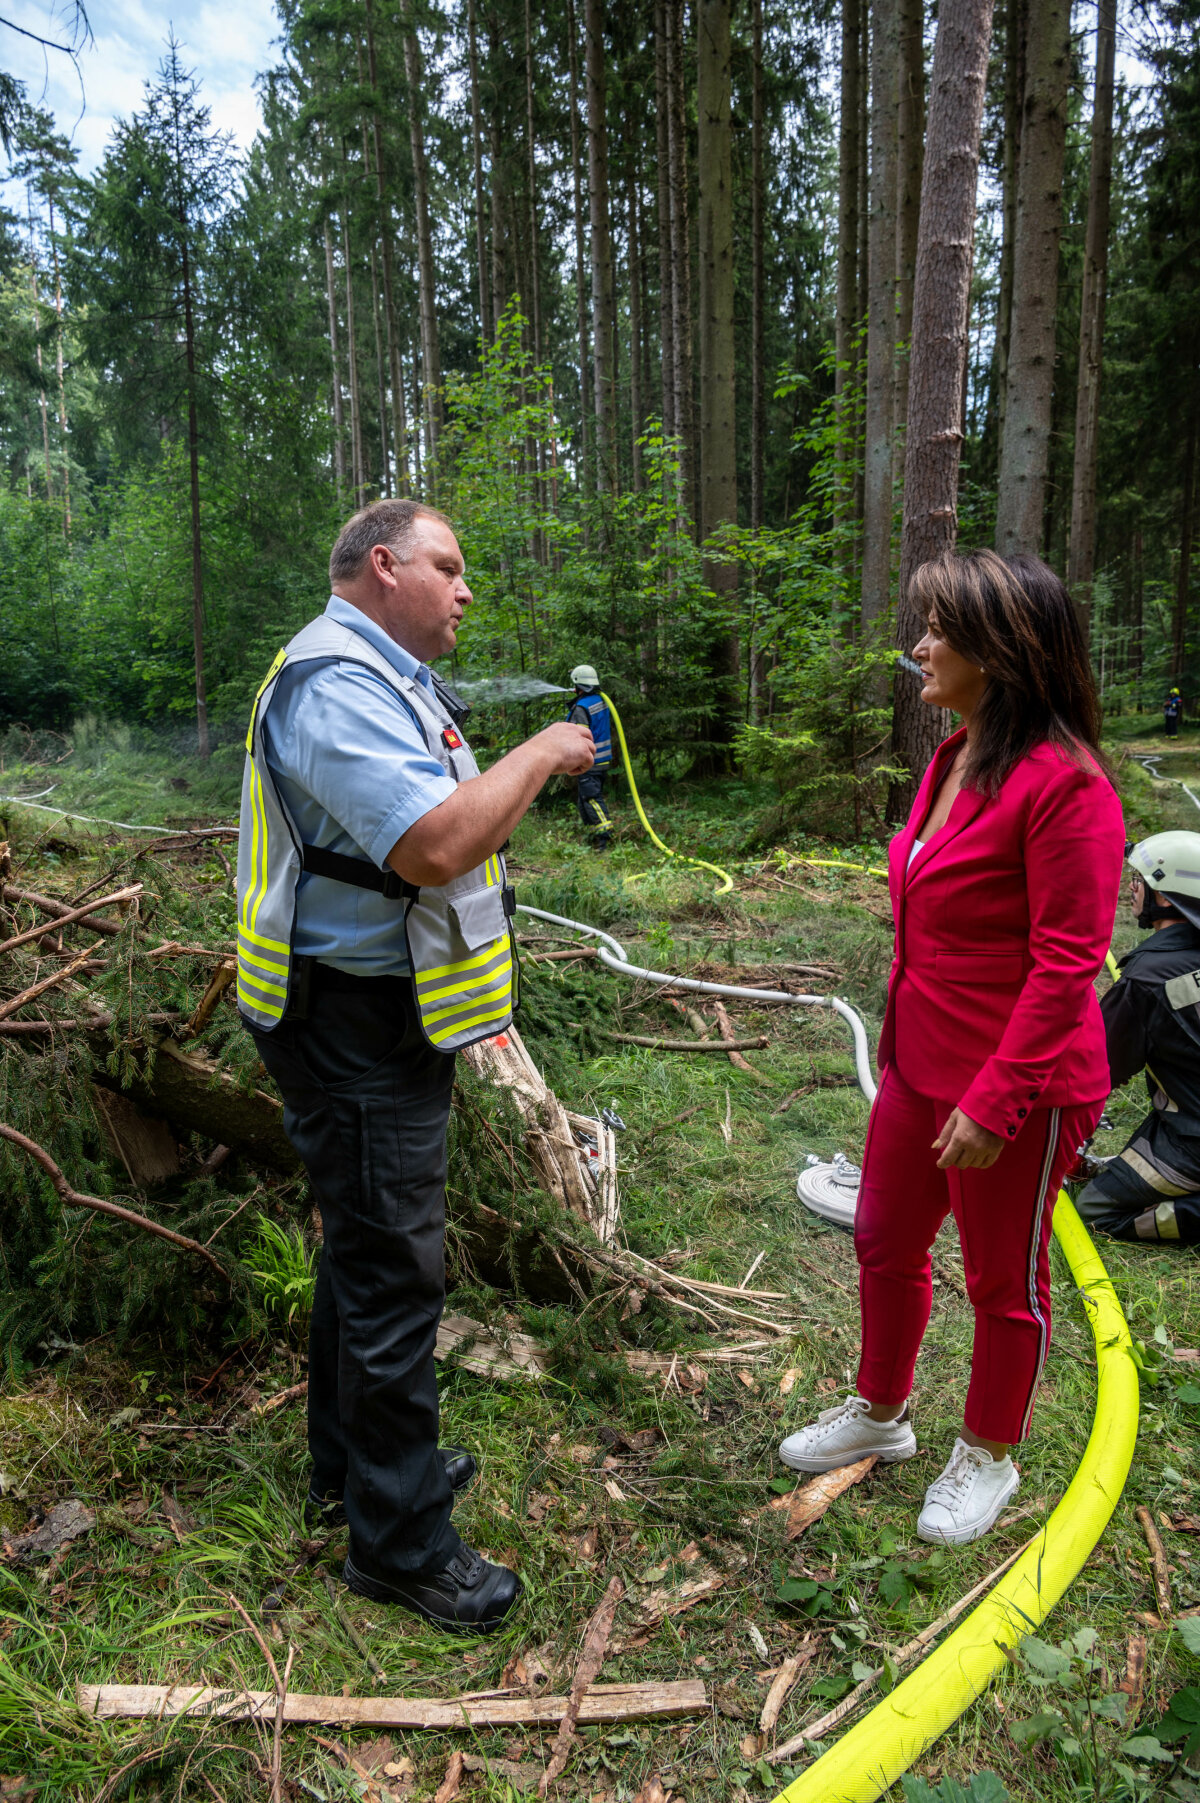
[(599, 720)]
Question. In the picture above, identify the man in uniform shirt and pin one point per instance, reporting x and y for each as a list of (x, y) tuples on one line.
[(1151, 1190), (355, 824)]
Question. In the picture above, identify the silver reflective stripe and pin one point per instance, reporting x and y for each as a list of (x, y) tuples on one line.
[(459, 943), (1184, 991)]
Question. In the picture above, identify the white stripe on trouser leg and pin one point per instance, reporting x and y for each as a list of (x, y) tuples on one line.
[(1035, 1242)]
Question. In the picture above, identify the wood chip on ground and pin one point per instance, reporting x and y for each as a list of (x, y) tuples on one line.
[(809, 1503), (595, 1644)]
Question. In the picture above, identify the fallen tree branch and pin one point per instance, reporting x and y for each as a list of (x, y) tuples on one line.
[(495, 1709), (73, 914), (56, 909), (36, 989), (1158, 1561), (690, 1045), (595, 1644), (98, 1204)]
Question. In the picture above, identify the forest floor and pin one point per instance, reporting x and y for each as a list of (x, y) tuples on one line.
[(596, 1470)]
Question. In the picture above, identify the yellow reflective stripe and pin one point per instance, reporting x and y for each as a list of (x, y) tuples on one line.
[(466, 989), (257, 864), (471, 1001), (245, 956), (259, 983), (476, 1020), (279, 657), (450, 970), (259, 939), (256, 788), (260, 1007)]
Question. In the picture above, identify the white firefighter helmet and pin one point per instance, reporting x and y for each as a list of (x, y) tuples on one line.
[(1170, 863), (584, 677)]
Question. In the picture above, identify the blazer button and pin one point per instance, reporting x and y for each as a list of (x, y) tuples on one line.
[(1021, 1113), (1011, 1132)]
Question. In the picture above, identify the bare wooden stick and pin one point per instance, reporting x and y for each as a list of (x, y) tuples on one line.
[(603, 1703), (784, 1679), (99, 1205), (847, 1706), (690, 1045), (1158, 1561), (36, 989), (72, 914), (595, 1644), (56, 909), (277, 1739), (1134, 1682), (218, 983), (675, 1121), (727, 1034)]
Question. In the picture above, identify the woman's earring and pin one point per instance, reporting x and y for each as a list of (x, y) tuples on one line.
[(982, 671)]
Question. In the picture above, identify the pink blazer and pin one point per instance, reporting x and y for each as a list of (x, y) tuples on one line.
[(1002, 923)]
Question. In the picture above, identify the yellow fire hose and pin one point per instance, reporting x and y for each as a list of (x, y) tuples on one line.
[(869, 1759), (726, 883)]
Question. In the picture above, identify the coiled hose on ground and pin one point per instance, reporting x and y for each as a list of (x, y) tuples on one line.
[(871, 1756)]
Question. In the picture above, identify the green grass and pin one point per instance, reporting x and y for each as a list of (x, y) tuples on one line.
[(134, 1602)]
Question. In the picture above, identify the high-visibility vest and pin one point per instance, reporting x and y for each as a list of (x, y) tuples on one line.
[(600, 721), (458, 936)]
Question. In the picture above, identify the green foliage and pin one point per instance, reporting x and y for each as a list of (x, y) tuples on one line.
[(980, 1787), (1080, 1722), (807, 1596), (283, 1264)]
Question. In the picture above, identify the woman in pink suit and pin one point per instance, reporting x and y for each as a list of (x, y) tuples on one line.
[(992, 1058)]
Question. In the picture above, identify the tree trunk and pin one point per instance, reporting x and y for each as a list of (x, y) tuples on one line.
[(62, 385), (847, 316), (1025, 448), (681, 257), (602, 282), (1187, 533), (356, 454), (535, 286), (635, 325), (485, 316), (881, 319), (666, 298), (910, 145), (940, 296), (431, 366), (757, 373), (189, 339), (718, 415), (391, 320), (1014, 88), (581, 297), (385, 471), (1082, 557), (339, 447)]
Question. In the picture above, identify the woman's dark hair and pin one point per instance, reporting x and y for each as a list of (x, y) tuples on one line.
[(1014, 618)]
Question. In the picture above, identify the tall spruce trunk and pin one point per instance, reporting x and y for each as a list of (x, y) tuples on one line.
[(633, 241), (1081, 561), (386, 236), (847, 316), (681, 257), (718, 413), (356, 453), (535, 285), (1025, 447), (339, 429), (581, 292), (385, 465), (603, 371), (1187, 533), (485, 311), (666, 298), (1014, 88), (757, 372), (881, 318), (910, 158), (940, 302), (431, 364), (189, 340), (64, 449)]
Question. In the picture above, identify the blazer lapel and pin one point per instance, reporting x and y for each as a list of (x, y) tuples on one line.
[(966, 806)]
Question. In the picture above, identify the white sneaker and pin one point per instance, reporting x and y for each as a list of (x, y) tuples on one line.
[(844, 1434), (966, 1500)]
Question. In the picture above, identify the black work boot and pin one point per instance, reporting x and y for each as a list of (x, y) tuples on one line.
[(468, 1596), (327, 1513)]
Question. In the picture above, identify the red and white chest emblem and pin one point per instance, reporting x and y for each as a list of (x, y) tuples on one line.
[(451, 739)]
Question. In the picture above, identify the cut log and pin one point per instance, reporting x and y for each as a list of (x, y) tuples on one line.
[(144, 1144), (486, 1709)]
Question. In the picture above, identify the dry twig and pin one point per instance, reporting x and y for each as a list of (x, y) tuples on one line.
[(73, 914), (595, 1643), (689, 1045), (78, 1199), (36, 989), (1158, 1560)]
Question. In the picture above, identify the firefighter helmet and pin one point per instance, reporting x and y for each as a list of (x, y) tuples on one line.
[(1170, 864)]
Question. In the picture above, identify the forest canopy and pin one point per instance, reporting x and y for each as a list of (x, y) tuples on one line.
[(629, 292)]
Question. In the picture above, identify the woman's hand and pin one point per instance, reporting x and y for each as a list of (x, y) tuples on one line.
[(965, 1145)]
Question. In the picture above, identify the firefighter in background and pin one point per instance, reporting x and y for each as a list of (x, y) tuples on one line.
[(589, 709), (1151, 1190), (1172, 713)]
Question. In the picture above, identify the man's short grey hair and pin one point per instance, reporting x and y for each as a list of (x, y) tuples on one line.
[(387, 523)]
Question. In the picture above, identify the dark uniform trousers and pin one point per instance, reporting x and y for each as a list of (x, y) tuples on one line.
[(366, 1102)]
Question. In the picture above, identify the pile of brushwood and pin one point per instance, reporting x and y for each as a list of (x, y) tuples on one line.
[(142, 1142)]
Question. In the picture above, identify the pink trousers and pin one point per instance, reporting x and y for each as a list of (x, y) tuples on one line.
[(1003, 1217)]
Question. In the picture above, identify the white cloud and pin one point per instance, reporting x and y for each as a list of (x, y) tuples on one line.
[(225, 42)]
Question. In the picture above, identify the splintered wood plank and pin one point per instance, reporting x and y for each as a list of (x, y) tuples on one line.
[(601, 1703)]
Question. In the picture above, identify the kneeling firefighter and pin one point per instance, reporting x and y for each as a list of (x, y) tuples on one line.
[(589, 709), (1151, 1190)]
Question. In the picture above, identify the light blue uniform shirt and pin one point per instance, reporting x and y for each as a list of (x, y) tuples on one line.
[(354, 772)]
